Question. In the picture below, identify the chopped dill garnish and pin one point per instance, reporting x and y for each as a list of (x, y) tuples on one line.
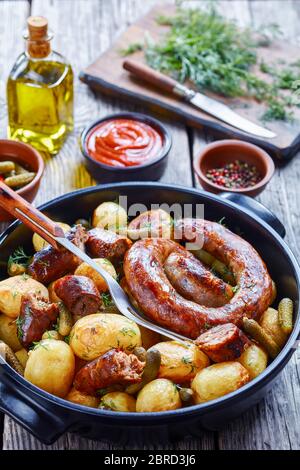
[(106, 299), (67, 339), (20, 323), (108, 405), (38, 344), (19, 257), (128, 332), (131, 49)]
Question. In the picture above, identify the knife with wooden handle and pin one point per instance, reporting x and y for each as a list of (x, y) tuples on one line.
[(209, 105)]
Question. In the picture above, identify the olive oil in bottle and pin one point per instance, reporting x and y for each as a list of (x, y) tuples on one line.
[(40, 92)]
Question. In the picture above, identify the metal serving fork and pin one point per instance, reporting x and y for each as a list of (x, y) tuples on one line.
[(53, 234)]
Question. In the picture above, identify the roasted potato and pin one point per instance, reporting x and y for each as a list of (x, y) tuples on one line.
[(52, 334), (12, 289), (52, 294), (218, 380), (153, 224), (110, 216), (149, 337), (81, 399), (179, 362), (85, 270), (254, 359), (93, 335), (15, 269), (22, 356), (269, 321), (158, 395), (9, 332), (51, 366), (39, 243), (118, 401)]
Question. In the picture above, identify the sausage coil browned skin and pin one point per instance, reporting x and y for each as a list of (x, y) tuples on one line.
[(36, 316), (194, 281), (223, 343), (103, 243), (149, 285), (50, 264), (79, 294), (113, 367)]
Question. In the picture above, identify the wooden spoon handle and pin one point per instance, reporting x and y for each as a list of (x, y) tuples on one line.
[(11, 202), (149, 75)]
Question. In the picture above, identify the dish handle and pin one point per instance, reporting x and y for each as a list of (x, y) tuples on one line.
[(41, 422), (258, 209)]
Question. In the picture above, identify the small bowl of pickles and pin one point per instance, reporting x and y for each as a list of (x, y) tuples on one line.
[(21, 168)]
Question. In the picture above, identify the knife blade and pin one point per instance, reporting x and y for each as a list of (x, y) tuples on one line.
[(205, 103)]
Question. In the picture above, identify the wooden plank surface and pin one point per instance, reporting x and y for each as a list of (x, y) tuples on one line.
[(275, 422)]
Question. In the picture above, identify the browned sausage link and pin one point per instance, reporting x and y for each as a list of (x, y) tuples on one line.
[(148, 283), (195, 282), (79, 294), (223, 343), (36, 316), (106, 244), (113, 367), (50, 264)]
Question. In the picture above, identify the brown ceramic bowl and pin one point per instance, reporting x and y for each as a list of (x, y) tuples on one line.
[(28, 157), (218, 154)]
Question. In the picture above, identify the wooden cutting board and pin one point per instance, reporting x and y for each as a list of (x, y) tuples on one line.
[(107, 75)]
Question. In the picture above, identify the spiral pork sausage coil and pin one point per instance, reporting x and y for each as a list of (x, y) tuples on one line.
[(149, 285)]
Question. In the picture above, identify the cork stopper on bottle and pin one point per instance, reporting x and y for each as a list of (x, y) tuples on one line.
[(37, 27), (38, 38)]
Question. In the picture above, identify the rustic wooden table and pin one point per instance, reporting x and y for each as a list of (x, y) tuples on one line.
[(83, 29)]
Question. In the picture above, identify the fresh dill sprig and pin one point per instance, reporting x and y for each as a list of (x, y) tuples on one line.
[(19, 257), (131, 49), (214, 54)]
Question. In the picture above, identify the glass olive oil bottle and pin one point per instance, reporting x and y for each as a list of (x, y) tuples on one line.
[(40, 92)]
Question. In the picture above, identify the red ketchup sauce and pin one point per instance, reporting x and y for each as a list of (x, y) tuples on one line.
[(124, 143)]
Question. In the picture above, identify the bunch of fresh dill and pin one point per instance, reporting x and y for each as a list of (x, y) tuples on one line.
[(214, 54)]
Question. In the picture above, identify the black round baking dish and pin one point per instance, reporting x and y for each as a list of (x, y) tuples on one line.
[(152, 170), (48, 417)]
